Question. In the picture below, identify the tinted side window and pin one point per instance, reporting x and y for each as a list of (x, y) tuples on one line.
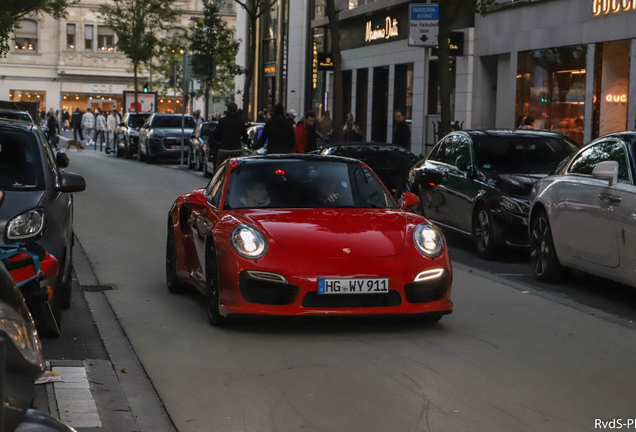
[(215, 188), (438, 152), (584, 162), (456, 146)]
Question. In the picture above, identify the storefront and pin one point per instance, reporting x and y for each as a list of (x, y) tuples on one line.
[(569, 65)]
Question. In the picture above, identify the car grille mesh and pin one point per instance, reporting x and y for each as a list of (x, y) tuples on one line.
[(426, 291)]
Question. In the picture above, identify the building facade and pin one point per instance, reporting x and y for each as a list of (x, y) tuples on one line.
[(380, 74), (570, 64), (74, 63)]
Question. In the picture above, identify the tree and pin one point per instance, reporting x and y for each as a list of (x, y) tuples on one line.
[(254, 9), (12, 11), (214, 50), (135, 23), (169, 58)]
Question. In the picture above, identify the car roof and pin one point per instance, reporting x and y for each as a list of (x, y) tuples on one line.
[(168, 115), (248, 160), (366, 144), (528, 133), (16, 124)]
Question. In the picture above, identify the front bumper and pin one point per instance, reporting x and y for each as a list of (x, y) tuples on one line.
[(168, 149), (243, 294)]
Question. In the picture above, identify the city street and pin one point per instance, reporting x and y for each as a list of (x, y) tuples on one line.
[(514, 355)]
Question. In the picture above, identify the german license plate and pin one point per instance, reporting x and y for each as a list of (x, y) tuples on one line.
[(353, 286)]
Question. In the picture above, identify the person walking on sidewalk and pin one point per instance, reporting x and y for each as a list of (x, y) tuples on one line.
[(278, 133), (54, 129), (88, 124), (100, 130), (305, 134), (111, 124), (401, 130), (76, 123)]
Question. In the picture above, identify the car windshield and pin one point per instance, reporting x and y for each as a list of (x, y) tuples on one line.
[(206, 129), (172, 122), (305, 184), (13, 115), (20, 163), (137, 120), (522, 155), (377, 157)]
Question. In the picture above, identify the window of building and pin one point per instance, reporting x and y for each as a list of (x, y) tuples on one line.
[(70, 36), (88, 38), (28, 96), (551, 89), (26, 36), (319, 9), (434, 101), (226, 6), (611, 85), (403, 92), (105, 38)]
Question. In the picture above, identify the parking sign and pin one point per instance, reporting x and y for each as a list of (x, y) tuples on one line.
[(424, 25)]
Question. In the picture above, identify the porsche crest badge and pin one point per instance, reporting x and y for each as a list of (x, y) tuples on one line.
[(346, 250)]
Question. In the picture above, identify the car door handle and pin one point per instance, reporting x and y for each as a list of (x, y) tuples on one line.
[(603, 197), (609, 198), (615, 199)]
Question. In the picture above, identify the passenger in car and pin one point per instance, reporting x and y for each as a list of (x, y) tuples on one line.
[(256, 195)]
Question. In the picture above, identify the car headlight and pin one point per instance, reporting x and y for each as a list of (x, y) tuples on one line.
[(515, 205), (428, 240), (27, 225), (22, 334), (248, 242)]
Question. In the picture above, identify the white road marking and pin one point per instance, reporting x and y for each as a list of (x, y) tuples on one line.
[(74, 399)]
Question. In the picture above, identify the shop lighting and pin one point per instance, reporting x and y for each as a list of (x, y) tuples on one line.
[(573, 71), (102, 98), (161, 100), (38, 96), (64, 97), (519, 76)]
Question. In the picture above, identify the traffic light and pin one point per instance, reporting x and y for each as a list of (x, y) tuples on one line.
[(146, 86)]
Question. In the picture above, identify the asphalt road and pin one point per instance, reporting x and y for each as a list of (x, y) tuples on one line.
[(512, 356)]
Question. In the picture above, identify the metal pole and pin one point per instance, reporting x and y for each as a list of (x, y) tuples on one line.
[(176, 80), (150, 80), (183, 103)]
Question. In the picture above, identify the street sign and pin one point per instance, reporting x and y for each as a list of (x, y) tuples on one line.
[(424, 25)]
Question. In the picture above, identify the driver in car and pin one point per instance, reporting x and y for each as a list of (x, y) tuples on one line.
[(256, 195)]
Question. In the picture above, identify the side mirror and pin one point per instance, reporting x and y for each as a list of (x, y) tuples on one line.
[(62, 159), (409, 201), (461, 164), (607, 170), (122, 124), (70, 183)]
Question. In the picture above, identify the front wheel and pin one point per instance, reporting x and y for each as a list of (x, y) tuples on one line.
[(212, 296), (483, 233), (198, 162), (206, 173), (190, 157), (127, 152), (545, 263)]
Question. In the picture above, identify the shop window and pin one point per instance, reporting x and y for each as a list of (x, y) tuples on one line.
[(362, 92), (26, 36), (36, 97), (551, 90), (88, 38), (70, 36), (319, 9), (317, 77), (611, 77), (105, 38), (403, 91), (434, 102)]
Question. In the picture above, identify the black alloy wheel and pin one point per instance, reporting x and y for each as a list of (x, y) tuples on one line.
[(190, 157), (545, 262), (127, 152), (206, 173), (175, 286), (198, 165), (483, 233), (212, 296)]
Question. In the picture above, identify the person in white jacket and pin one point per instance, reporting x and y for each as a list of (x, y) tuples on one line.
[(100, 129), (111, 125), (88, 125)]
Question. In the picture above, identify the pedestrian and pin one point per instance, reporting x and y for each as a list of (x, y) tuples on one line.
[(291, 115), (58, 117), (76, 123), (351, 129), (66, 119), (278, 133), (111, 125), (54, 129), (228, 136), (197, 117), (401, 130), (88, 124), (528, 123), (305, 134), (100, 129), (324, 129), (260, 117)]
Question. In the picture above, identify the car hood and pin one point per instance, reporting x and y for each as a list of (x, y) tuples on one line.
[(518, 185), (329, 233), (15, 203), (172, 133)]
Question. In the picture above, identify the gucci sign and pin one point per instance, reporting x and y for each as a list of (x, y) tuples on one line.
[(102, 88), (607, 6), (616, 98)]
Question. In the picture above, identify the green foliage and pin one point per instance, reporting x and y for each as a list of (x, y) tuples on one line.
[(214, 50), (169, 53), (12, 11), (136, 23)]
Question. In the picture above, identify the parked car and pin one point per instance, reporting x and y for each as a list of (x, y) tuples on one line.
[(584, 216), (38, 200), (160, 137), (266, 212), (16, 115), (390, 162), (479, 182), (198, 151), (127, 134)]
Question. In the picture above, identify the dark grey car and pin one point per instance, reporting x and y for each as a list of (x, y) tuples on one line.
[(38, 201), (160, 137)]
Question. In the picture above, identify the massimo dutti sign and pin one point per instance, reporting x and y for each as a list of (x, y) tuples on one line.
[(386, 25)]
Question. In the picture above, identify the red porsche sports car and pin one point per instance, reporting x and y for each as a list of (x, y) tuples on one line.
[(305, 235)]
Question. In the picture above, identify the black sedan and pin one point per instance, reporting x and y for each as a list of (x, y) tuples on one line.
[(198, 152), (479, 182), (127, 134), (161, 137), (38, 205), (390, 162)]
